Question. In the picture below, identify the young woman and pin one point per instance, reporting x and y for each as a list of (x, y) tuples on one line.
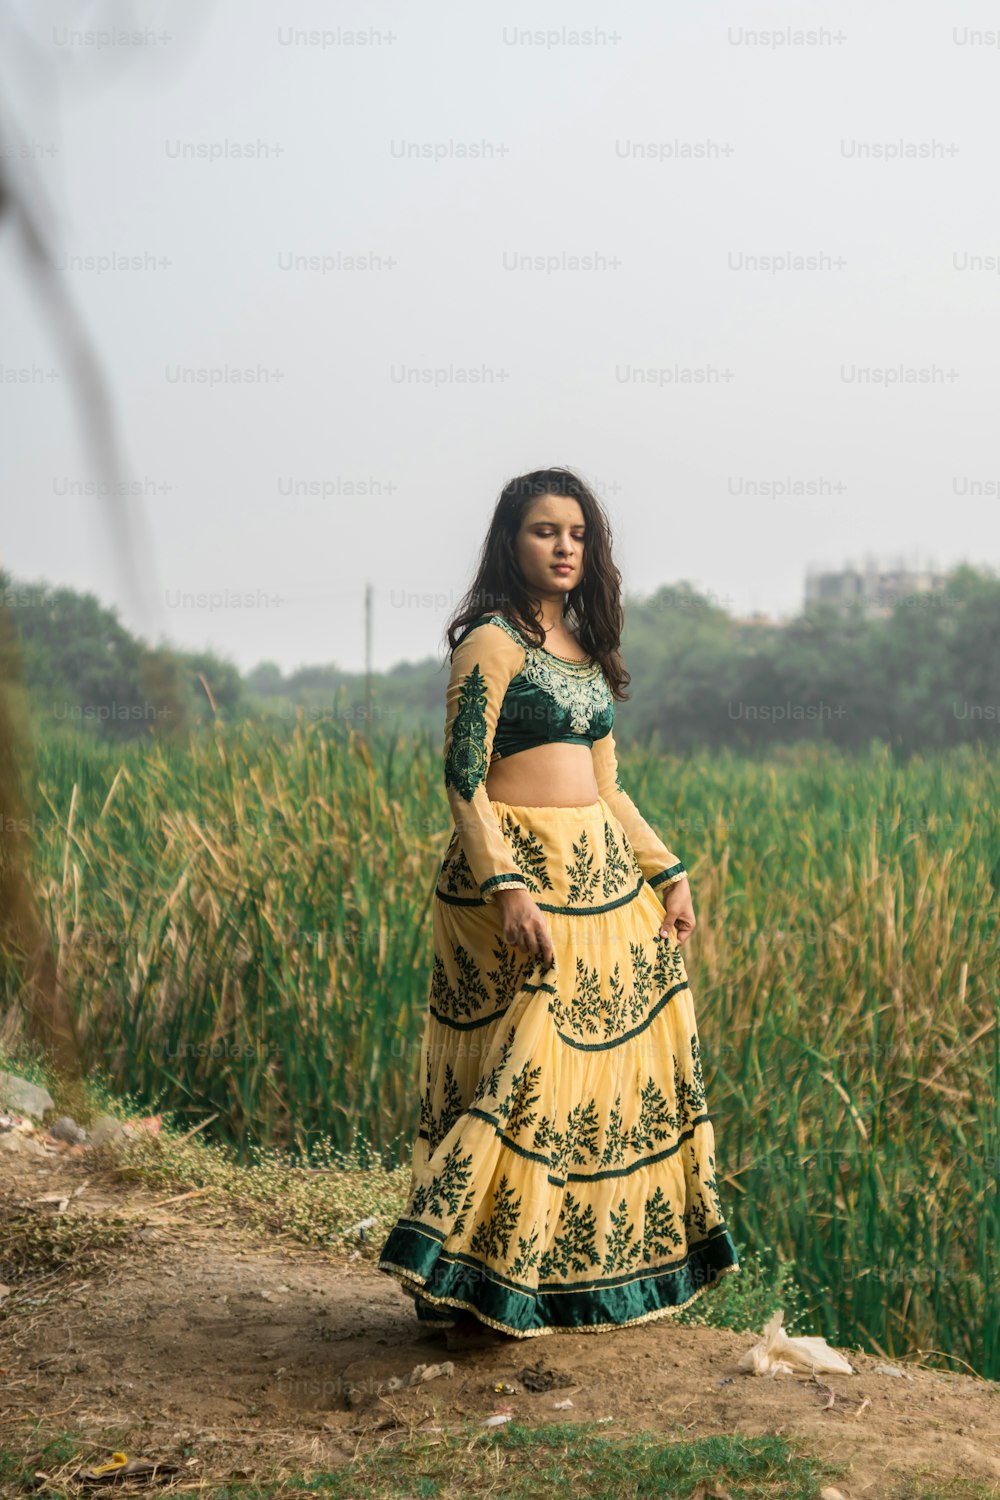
[(564, 1172)]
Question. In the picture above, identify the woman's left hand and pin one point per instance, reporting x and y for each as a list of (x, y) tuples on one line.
[(678, 912)]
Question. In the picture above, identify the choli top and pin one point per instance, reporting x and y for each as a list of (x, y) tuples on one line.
[(550, 700), (506, 695)]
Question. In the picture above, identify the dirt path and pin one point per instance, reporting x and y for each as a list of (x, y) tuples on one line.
[(210, 1346)]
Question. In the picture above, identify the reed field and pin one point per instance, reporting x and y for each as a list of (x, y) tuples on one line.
[(242, 923)]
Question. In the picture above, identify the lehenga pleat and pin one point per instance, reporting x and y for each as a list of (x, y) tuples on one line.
[(563, 1174)]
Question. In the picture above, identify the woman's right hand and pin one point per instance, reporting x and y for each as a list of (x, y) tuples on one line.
[(523, 925)]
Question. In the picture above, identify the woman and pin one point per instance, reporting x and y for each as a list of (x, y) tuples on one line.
[(564, 1171)]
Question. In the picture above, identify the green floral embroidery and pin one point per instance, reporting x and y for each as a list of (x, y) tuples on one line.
[(614, 1014), (471, 994), (586, 1003), (656, 1123), (589, 1014), (492, 1235), (543, 1135), (575, 1248), (451, 1109), (631, 855), (527, 1255), (529, 855), (696, 1212), (580, 1144), (642, 984), (712, 1186), (509, 974), (698, 1089), (426, 1099), (660, 1235), (489, 1083), (443, 998), (557, 1142), (459, 875), (616, 866), (668, 968), (474, 993), (470, 1198), (443, 1191), (622, 1250), (615, 1137), (583, 876), (471, 988), (581, 1133), (465, 762), (690, 1093), (520, 1101)]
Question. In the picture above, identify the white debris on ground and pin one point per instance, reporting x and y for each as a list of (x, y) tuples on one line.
[(777, 1353)]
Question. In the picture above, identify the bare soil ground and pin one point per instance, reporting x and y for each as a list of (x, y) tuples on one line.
[(207, 1345)]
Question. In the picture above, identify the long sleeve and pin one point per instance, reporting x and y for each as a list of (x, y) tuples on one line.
[(482, 664), (659, 866)]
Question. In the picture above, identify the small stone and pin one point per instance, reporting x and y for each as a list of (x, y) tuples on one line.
[(893, 1370), (17, 1143), (107, 1128), (66, 1129), (24, 1097)]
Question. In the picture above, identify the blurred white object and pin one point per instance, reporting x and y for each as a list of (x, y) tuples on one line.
[(360, 1227), (777, 1353)]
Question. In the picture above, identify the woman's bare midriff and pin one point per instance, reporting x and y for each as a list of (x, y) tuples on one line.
[(544, 776)]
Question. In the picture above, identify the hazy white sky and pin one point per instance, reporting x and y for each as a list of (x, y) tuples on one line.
[(682, 149)]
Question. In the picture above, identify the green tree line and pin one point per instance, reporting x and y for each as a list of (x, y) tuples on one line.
[(923, 677)]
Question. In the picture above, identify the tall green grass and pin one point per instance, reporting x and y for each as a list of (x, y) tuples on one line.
[(243, 924)]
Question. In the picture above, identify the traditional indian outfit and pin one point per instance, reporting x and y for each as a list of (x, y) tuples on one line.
[(563, 1174)]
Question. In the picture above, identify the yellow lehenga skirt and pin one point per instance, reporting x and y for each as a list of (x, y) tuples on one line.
[(563, 1175)]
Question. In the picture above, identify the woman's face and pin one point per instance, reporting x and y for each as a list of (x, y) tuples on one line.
[(550, 545)]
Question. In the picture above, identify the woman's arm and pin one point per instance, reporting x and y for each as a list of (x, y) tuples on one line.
[(482, 664), (658, 864)]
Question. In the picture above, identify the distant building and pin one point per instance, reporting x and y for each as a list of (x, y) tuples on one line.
[(877, 591)]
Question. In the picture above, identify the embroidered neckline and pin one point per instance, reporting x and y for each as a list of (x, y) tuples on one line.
[(571, 661), (587, 665)]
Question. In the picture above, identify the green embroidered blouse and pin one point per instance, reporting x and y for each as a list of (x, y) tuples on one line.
[(506, 695)]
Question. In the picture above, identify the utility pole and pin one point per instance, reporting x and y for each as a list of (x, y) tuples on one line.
[(368, 656)]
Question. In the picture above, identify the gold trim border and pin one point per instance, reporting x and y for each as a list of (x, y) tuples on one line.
[(412, 1284)]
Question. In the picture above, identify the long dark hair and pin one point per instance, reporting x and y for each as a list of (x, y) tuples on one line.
[(499, 586)]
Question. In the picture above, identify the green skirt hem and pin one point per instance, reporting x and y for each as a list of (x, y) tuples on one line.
[(442, 1285)]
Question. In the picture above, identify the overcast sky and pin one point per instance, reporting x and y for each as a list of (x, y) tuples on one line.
[(459, 148)]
